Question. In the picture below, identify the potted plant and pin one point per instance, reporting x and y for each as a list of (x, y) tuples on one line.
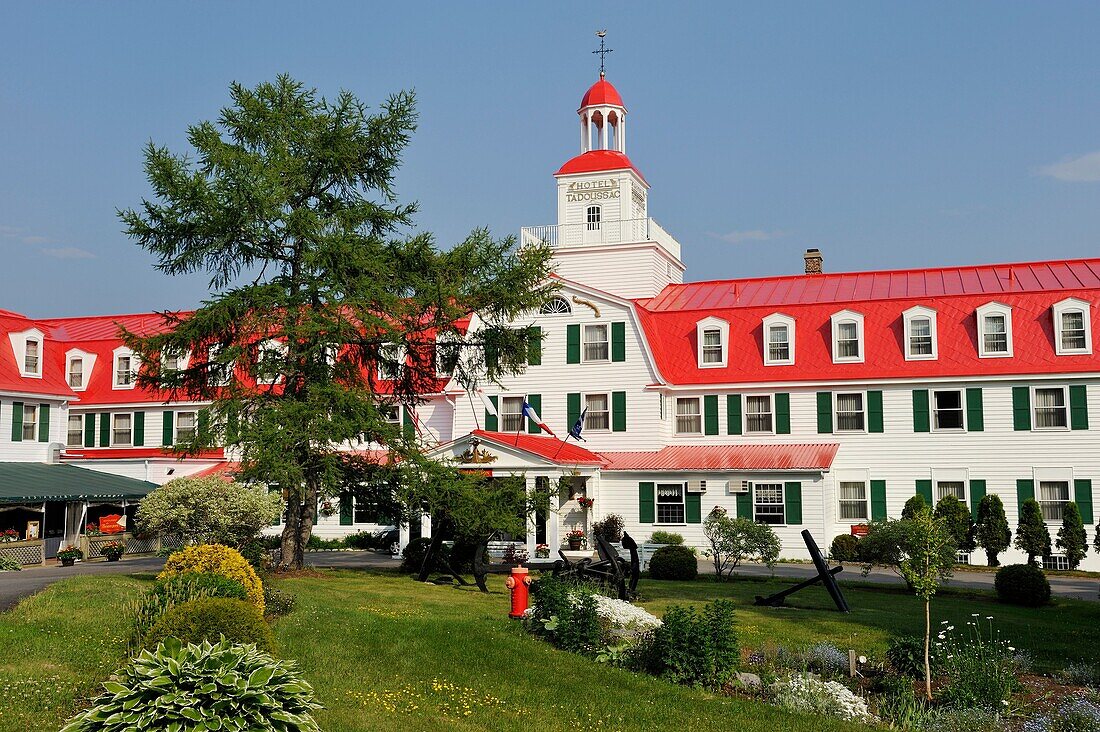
[(585, 502), (576, 539), (113, 550), (542, 551), (69, 555), (9, 536)]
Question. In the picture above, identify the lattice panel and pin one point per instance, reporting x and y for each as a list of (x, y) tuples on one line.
[(23, 553), (171, 542), (141, 546), (96, 544)]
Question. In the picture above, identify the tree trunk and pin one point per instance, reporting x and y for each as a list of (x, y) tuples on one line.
[(300, 519), (433, 551), (927, 639)]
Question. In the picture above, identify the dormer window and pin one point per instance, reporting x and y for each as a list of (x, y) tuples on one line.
[(994, 330), (778, 340), (712, 341), (124, 370), (1072, 331), (847, 337), (269, 358), (921, 341), (31, 361), (76, 372), (79, 366), (391, 361), (592, 218)]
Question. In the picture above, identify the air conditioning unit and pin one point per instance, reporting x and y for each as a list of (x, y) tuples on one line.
[(737, 486), (697, 486)]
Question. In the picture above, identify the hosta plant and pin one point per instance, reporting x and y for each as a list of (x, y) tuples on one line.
[(224, 686)]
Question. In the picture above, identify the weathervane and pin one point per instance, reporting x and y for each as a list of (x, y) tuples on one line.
[(602, 51)]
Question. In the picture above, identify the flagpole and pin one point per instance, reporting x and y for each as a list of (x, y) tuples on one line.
[(473, 409), (567, 436)]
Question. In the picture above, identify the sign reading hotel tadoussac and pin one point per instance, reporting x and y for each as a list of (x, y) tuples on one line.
[(592, 190)]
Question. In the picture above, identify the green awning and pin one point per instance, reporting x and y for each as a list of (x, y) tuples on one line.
[(37, 482)]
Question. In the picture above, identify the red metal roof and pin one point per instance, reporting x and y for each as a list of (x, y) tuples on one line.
[(595, 161), (549, 448), (602, 92), (119, 453), (225, 471), (51, 360), (726, 457)]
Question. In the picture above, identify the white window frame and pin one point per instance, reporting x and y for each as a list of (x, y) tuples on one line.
[(396, 353), (782, 504), (723, 329), (69, 372), (117, 355), (657, 503), (771, 415), (79, 431), (37, 370), (19, 342), (176, 425), (1066, 306), (114, 429), (88, 361), (698, 415), (993, 309), (549, 305), (1035, 407), (181, 362), (593, 217), (866, 500), (836, 412), (584, 342), (396, 411), (950, 475), (270, 345), (778, 320), (932, 409), (225, 377), (1052, 475), (919, 312), (32, 411), (584, 407), (844, 317), (443, 344), (504, 415)]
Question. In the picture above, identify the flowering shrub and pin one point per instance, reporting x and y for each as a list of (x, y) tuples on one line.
[(8, 536), (807, 693), (826, 659), (584, 502), (978, 665), (542, 551), (113, 549), (70, 552), (1082, 674), (623, 616), (977, 719), (1072, 715), (216, 559), (695, 649)]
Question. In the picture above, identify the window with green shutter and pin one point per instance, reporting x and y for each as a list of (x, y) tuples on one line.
[(346, 509), (535, 400), (573, 343), (167, 427), (17, 421), (1025, 489), (105, 429), (618, 411), (1021, 408), (782, 413), (874, 411), (43, 422), (921, 415), (792, 499), (572, 408), (744, 505), (824, 412), (733, 414), (408, 421), (975, 413), (924, 488), (534, 348), (618, 342), (139, 429), (1078, 407), (89, 430), (878, 500), (491, 423), (1082, 496), (647, 511), (710, 414), (693, 507), (977, 493)]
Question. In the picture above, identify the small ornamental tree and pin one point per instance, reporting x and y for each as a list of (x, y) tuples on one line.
[(957, 517), (992, 533), (209, 511), (913, 505), (1032, 534), (1072, 539), (735, 540), (922, 550)]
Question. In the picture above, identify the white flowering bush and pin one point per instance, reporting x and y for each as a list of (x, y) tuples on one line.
[(979, 666), (810, 694), (1072, 715), (623, 616)]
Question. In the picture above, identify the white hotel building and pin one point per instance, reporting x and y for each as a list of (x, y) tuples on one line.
[(816, 401)]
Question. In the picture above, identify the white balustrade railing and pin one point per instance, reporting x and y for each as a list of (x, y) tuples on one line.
[(604, 232)]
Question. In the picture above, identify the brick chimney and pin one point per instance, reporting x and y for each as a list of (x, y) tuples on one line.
[(813, 261)]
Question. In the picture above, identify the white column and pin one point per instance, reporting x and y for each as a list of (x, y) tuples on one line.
[(402, 537), (622, 133), (603, 133), (531, 528), (584, 133), (553, 519), (426, 525)]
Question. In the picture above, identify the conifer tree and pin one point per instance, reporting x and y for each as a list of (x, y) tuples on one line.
[(956, 516), (1032, 535), (913, 506), (1072, 539), (326, 311), (992, 532)]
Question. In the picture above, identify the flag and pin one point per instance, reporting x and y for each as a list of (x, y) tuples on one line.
[(489, 406), (531, 414), (575, 430)]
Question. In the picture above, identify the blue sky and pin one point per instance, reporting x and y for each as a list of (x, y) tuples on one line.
[(888, 135)]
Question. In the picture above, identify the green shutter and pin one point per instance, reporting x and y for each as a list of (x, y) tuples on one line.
[(346, 515), (710, 414), (874, 411), (924, 488), (1025, 489), (618, 341), (89, 430), (167, 427), (824, 412), (491, 424), (139, 429), (1021, 408), (492, 356), (878, 500), (693, 507), (535, 400), (203, 426), (105, 429), (43, 422), (733, 414), (1082, 496), (1078, 408), (792, 497), (572, 344), (977, 493), (744, 505), (17, 421), (975, 414), (618, 411), (408, 421), (572, 408), (647, 511), (534, 348), (921, 416), (782, 413)]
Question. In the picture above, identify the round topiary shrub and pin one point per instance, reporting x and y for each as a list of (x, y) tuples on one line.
[(1022, 584), (176, 590), (674, 562), (220, 560), (665, 537), (845, 548), (209, 619), (222, 686), (412, 556)]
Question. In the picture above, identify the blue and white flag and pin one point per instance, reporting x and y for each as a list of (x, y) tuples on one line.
[(575, 430), (531, 414)]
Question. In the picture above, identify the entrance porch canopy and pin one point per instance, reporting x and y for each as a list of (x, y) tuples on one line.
[(39, 482)]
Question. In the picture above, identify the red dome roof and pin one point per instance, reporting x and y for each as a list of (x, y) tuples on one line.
[(602, 93), (595, 161)]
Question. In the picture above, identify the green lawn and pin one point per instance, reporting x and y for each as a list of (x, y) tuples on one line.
[(387, 653)]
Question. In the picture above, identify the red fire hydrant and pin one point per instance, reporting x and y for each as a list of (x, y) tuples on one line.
[(518, 583)]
